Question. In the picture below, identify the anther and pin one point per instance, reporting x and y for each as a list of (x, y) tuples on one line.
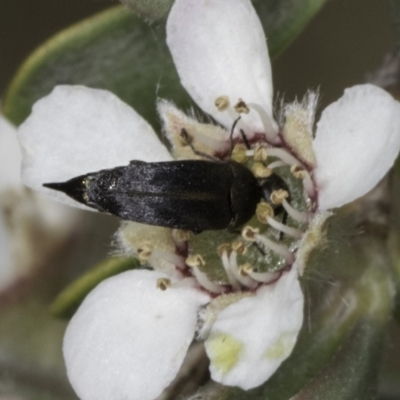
[(239, 247), (195, 261), (243, 279), (264, 211), (224, 248), (260, 170), (239, 153), (250, 234), (241, 107), (163, 283), (144, 252), (222, 103), (260, 153), (246, 269), (297, 171), (277, 196), (180, 235)]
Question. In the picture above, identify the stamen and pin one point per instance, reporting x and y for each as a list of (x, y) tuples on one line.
[(163, 283), (265, 277), (195, 262), (264, 211), (276, 164), (284, 228), (260, 170), (144, 252), (298, 216), (222, 103), (242, 278), (239, 153), (282, 155), (241, 107), (277, 196), (277, 248), (301, 173), (266, 120), (239, 247), (260, 153), (228, 270), (249, 233)]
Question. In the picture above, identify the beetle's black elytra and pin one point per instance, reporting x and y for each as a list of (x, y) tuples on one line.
[(194, 195)]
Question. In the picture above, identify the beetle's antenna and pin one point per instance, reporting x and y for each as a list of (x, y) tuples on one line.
[(186, 137), (245, 140), (258, 247), (231, 135)]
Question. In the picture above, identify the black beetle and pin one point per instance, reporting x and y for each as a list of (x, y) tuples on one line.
[(194, 195)]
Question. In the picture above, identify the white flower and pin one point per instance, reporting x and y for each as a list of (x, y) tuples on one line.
[(25, 217), (131, 333)]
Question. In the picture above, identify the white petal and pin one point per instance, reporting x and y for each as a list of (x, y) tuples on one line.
[(10, 155), (251, 338), (358, 140), (128, 338), (76, 130), (219, 49)]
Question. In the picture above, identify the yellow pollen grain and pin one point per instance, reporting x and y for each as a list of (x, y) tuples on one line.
[(249, 233), (246, 269), (297, 171), (264, 211), (277, 196), (224, 351), (239, 153), (241, 107), (224, 248), (222, 103), (163, 283), (260, 153), (239, 247), (260, 170), (195, 261)]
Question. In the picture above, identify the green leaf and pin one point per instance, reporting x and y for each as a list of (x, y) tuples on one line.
[(113, 50), (68, 301), (117, 51), (151, 9), (283, 20)]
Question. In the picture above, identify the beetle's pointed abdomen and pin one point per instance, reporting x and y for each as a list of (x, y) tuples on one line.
[(76, 188)]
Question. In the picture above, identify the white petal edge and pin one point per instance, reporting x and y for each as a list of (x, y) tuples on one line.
[(251, 338), (10, 155), (76, 130), (357, 141), (219, 49), (128, 339)]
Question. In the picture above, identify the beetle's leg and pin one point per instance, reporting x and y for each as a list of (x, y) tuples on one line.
[(185, 136), (245, 140), (258, 247), (231, 135)]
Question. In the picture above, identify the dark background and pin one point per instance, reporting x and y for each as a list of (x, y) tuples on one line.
[(344, 42)]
